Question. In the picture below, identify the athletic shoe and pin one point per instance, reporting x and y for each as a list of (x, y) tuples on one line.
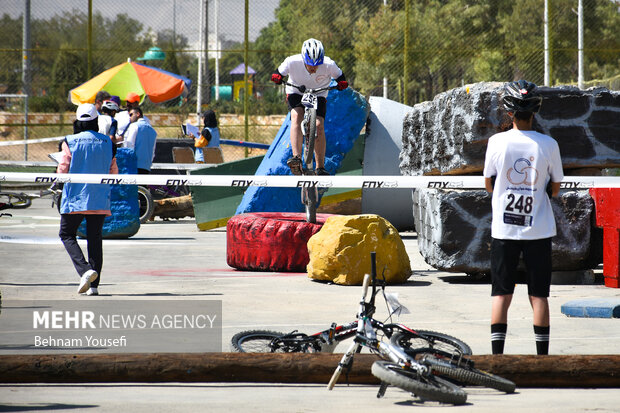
[(92, 291), (88, 277), (295, 164), (321, 171)]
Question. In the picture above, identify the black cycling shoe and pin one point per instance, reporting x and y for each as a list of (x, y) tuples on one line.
[(321, 171), (295, 164)]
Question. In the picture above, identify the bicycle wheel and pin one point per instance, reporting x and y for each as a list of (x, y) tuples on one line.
[(146, 204), (255, 341), (425, 341), (19, 201), (309, 137), (309, 200), (467, 374), (425, 387)]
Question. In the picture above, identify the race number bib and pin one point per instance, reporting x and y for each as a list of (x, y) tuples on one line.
[(517, 210), (309, 100)]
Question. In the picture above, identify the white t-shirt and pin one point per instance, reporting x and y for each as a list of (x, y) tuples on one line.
[(523, 163), (294, 68), (105, 122), (122, 119)]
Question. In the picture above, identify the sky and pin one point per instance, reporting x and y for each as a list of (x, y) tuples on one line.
[(158, 14)]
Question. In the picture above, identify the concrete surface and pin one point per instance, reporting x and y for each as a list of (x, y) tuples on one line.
[(169, 260)]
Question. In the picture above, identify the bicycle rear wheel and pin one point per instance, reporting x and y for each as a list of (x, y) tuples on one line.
[(427, 387), (255, 341), (309, 196), (426, 341), (465, 373)]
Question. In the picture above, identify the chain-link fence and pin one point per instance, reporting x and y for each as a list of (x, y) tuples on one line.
[(405, 50)]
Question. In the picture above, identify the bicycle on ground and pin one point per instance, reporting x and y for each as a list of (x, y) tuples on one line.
[(14, 200), (309, 195), (440, 353)]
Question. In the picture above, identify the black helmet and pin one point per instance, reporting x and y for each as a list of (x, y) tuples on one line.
[(521, 96)]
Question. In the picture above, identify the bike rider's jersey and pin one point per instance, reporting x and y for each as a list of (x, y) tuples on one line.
[(91, 153), (523, 163), (294, 68)]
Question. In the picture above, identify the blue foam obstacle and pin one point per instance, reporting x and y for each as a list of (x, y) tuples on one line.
[(125, 219), (593, 308), (347, 111)]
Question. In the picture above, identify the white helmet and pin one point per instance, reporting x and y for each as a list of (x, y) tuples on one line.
[(312, 52), (110, 105)]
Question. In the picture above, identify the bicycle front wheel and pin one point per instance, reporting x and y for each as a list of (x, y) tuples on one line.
[(255, 341), (428, 341), (310, 137), (426, 387)]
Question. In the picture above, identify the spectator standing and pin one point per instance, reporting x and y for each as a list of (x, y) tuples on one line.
[(101, 97), (132, 101), (141, 137), (524, 162), (89, 152), (107, 124)]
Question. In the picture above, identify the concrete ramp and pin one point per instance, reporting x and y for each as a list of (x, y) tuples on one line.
[(384, 142)]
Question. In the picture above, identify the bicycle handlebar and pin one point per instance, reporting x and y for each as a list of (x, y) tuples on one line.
[(303, 89)]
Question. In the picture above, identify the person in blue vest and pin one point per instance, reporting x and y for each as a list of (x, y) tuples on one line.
[(210, 122), (141, 137), (86, 152)]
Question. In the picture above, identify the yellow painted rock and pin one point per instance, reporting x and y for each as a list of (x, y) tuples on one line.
[(340, 251)]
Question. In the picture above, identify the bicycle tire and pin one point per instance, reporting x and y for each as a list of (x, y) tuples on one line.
[(22, 201), (254, 341), (310, 137), (417, 343), (147, 206), (425, 387), (310, 204), (468, 375)]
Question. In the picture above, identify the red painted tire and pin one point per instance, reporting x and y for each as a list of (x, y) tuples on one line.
[(270, 241)]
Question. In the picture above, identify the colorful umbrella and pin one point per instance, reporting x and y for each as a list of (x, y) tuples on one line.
[(147, 81)]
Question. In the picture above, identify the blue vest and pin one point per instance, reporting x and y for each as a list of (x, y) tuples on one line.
[(215, 138), (145, 143), (91, 153)]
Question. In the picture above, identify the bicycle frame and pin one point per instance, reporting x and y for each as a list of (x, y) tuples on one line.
[(366, 334), (309, 196)]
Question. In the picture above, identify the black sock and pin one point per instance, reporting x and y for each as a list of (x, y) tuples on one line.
[(498, 337), (542, 340)]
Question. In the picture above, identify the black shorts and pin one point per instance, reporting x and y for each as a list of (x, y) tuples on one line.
[(294, 101), (505, 259)]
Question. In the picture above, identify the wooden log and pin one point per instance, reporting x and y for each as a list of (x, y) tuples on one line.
[(556, 371), (179, 207)]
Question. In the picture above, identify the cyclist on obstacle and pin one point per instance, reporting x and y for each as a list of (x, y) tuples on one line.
[(313, 70)]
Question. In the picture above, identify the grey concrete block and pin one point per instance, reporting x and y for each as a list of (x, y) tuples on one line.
[(454, 230), (448, 135)]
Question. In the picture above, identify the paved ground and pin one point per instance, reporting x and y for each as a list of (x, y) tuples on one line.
[(174, 261)]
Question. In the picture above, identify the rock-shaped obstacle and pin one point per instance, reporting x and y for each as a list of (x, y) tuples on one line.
[(340, 251)]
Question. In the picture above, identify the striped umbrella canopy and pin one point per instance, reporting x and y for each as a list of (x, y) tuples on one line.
[(147, 81)]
